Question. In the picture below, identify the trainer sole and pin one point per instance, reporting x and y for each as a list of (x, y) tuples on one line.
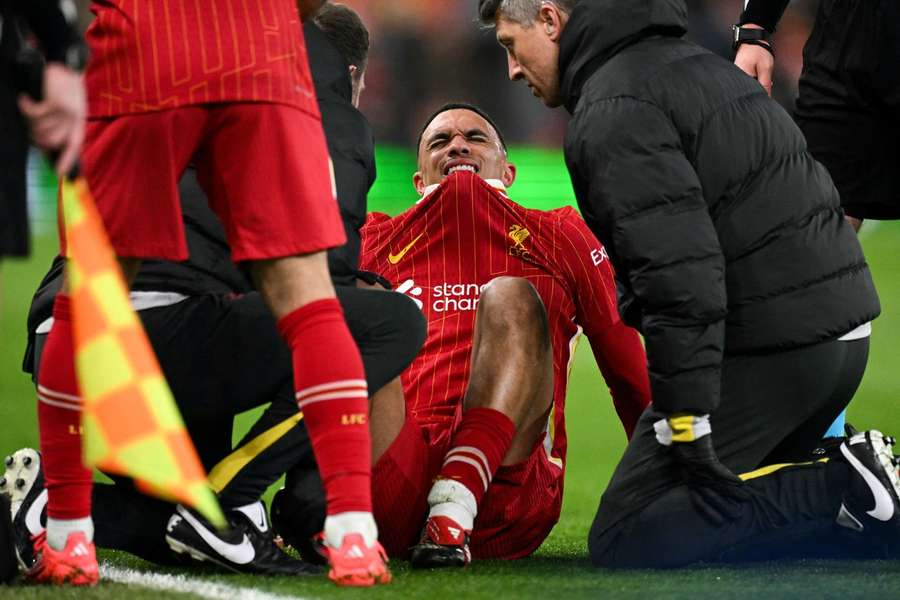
[(17, 495), (182, 548), (885, 457)]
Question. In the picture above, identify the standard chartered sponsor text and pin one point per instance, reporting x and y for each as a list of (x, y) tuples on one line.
[(456, 296)]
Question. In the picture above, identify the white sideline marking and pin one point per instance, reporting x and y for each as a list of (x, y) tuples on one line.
[(186, 585)]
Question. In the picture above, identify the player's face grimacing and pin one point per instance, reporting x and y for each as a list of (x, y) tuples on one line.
[(461, 139)]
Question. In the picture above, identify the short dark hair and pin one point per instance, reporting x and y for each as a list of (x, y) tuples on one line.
[(458, 106), (346, 31)]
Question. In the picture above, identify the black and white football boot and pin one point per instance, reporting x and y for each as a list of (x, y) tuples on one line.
[(248, 547), (872, 502), (23, 484)]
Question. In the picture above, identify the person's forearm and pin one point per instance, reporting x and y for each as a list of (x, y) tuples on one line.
[(765, 13), (623, 365)]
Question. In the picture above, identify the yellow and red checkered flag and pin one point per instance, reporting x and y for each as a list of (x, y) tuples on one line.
[(131, 424)]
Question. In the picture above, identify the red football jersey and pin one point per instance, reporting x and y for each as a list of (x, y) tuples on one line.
[(442, 251), (149, 55)]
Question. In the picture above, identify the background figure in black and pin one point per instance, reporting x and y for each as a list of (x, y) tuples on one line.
[(849, 102), (56, 123), (221, 353), (736, 264)]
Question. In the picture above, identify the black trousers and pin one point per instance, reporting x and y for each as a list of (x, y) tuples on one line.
[(849, 102), (13, 157), (222, 356), (774, 409)]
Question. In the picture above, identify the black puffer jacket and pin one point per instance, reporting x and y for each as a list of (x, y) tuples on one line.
[(727, 236)]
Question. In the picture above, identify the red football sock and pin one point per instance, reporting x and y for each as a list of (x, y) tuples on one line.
[(332, 393), (478, 446), (59, 420)]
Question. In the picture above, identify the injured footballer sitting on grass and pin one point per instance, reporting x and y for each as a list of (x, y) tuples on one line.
[(476, 466)]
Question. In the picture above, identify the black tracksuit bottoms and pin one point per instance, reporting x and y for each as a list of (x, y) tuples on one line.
[(223, 355), (774, 410)]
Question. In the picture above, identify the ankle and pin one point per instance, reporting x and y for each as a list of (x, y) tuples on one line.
[(341, 524), (58, 530), (452, 499)]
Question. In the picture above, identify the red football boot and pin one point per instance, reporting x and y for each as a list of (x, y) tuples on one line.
[(76, 564), (355, 564)]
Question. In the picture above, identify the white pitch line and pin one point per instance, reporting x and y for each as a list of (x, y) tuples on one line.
[(186, 585)]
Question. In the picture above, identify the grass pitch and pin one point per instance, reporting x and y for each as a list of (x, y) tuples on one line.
[(560, 567)]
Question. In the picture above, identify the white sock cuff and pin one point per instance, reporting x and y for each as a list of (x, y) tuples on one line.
[(341, 524), (58, 530), (256, 512), (450, 498)]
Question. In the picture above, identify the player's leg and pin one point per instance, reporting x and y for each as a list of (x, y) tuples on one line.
[(134, 185), (389, 329), (507, 402), (265, 169), (649, 518)]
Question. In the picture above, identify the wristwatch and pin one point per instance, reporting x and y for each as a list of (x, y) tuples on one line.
[(751, 35)]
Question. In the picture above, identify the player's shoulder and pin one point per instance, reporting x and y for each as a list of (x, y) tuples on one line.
[(563, 217), (373, 219)]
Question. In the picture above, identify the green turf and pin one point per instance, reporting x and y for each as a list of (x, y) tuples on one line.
[(595, 443)]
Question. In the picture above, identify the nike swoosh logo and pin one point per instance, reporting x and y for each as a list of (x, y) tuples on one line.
[(395, 258), (884, 505), (33, 516), (240, 554)]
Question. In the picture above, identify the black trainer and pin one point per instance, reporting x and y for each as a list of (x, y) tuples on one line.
[(444, 543), (873, 501), (248, 547), (23, 484)]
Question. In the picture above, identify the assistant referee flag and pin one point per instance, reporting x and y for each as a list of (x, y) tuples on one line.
[(131, 424)]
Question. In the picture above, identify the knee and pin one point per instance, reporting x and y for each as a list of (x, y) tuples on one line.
[(511, 305)]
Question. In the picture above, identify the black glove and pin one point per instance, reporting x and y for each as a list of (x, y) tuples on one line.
[(716, 492)]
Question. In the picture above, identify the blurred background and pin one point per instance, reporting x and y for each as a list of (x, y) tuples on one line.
[(428, 52), (425, 53)]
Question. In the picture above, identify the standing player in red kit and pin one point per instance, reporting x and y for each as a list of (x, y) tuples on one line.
[(506, 291), (224, 86)]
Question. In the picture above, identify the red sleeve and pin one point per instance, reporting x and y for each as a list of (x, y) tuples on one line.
[(617, 348)]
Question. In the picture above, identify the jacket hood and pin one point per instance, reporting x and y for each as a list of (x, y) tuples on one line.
[(598, 29), (330, 71)]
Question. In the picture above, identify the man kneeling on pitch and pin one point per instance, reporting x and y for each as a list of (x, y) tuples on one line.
[(480, 456)]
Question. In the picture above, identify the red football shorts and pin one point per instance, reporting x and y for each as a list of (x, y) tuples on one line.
[(264, 168), (516, 515)]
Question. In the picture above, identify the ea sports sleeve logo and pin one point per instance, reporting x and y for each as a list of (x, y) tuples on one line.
[(411, 290)]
